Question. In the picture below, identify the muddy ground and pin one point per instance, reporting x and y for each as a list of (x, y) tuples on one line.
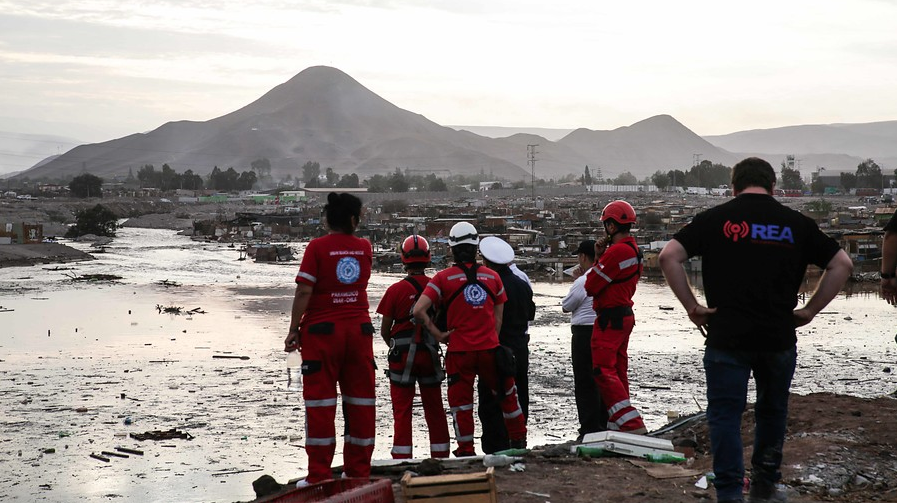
[(70, 395), (838, 448)]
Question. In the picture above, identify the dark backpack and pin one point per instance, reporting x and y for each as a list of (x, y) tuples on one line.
[(408, 341)]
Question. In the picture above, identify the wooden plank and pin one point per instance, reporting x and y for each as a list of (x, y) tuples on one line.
[(447, 479), (456, 488)]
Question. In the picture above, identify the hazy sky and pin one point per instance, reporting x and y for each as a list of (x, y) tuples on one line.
[(100, 69)]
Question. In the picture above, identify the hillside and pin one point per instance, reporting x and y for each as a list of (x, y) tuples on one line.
[(656, 143), (326, 116), (320, 115), (836, 147)]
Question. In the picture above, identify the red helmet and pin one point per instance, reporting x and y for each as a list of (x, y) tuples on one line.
[(415, 250), (619, 211)]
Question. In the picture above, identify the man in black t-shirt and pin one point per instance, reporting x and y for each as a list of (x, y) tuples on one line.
[(755, 252), (889, 262)]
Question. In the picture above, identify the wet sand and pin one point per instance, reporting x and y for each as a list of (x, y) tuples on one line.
[(69, 352)]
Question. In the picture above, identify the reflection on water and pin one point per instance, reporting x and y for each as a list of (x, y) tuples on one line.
[(68, 345)]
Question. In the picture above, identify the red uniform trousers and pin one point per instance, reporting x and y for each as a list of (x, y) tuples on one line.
[(423, 372), (462, 367), (338, 352), (610, 363)]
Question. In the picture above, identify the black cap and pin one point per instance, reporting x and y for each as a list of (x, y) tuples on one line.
[(587, 247)]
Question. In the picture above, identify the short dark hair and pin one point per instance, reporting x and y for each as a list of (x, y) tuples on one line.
[(465, 252), (587, 248), (340, 209), (620, 227), (753, 172)]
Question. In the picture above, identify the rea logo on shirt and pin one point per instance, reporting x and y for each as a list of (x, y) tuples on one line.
[(759, 232)]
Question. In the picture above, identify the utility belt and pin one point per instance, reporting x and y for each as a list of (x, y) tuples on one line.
[(613, 316), (403, 346), (327, 327)]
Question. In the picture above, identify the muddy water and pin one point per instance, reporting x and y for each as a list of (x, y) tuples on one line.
[(70, 350)]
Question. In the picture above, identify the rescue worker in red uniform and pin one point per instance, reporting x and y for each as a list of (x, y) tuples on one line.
[(414, 356), (472, 297), (331, 327), (611, 281)]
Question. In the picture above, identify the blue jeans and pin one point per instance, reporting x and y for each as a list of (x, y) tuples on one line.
[(727, 385)]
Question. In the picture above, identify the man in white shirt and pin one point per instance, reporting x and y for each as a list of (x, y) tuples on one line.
[(592, 413)]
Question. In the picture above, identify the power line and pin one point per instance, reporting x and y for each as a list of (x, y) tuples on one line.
[(531, 155)]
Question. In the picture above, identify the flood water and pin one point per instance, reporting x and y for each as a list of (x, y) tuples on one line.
[(84, 364)]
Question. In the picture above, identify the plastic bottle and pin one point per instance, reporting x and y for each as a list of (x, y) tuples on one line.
[(500, 460), (665, 458), (593, 452), (513, 452), (294, 371)]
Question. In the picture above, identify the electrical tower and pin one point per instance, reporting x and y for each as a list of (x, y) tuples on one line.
[(696, 159), (531, 157)]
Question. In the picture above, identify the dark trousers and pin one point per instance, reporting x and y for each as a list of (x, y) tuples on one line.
[(591, 409), (495, 435), (727, 375)]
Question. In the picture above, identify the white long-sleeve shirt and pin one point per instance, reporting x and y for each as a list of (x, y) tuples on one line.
[(578, 303)]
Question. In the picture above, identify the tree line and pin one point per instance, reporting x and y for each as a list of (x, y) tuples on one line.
[(706, 174)]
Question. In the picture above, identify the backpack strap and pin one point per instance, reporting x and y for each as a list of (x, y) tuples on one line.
[(471, 273), (419, 289), (638, 269)]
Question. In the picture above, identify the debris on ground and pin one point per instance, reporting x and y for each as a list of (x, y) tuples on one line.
[(94, 277), (178, 310), (162, 435)]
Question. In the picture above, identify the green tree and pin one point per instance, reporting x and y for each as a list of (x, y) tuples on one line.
[(437, 185), (868, 174), (332, 178), (817, 186), (98, 220), (677, 178), (148, 176), (848, 181), (169, 178), (377, 183), (661, 180), (626, 178), (191, 181), (348, 181), (310, 171), (246, 180), (397, 182), (86, 185), (587, 176), (790, 178)]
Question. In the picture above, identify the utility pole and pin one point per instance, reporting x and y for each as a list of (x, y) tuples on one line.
[(531, 156)]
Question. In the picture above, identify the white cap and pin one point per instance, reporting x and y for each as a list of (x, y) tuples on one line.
[(496, 250)]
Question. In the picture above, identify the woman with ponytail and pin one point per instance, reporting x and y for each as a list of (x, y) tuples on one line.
[(331, 326)]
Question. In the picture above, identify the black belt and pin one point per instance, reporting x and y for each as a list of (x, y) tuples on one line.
[(613, 316)]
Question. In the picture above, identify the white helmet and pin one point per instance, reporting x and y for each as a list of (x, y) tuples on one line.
[(463, 233)]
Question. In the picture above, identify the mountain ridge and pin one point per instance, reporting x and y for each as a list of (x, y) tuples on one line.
[(324, 115)]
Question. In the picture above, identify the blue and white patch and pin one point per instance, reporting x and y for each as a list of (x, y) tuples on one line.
[(475, 295), (348, 270)]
